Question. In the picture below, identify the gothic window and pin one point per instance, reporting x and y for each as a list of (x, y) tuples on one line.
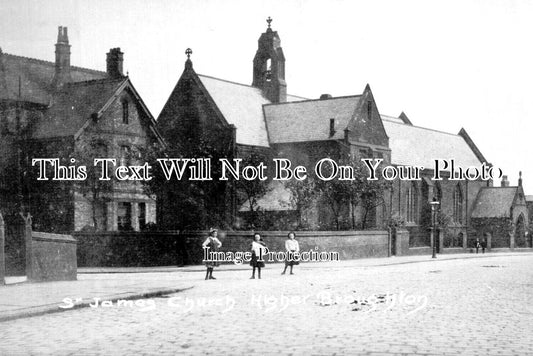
[(412, 203), (458, 204), (369, 109), (125, 112)]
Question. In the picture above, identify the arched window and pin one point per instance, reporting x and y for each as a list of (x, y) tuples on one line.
[(437, 192), (458, 204), (268, 71), (125, 112), (412, 203)]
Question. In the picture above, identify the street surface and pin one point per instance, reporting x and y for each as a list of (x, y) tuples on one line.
[(478, 306)]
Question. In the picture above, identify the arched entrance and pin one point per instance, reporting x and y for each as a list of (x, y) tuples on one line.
[(520, 232)]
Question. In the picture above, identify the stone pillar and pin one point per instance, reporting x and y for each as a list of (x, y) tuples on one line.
[(2, 252), (440, 235), (489, 241), (135, 216), (112, 223), (511, 240), (29, 244), (465, 240)]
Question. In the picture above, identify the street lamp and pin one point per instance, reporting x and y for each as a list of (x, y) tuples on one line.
[(434, 205)]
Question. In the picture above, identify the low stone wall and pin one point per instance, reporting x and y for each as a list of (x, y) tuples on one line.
[(108, 249), (53, 257)]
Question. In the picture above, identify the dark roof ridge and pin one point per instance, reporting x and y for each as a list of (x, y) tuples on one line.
[(419, 127), (42, 61), (94, 81), (513, 186), (309, 100)]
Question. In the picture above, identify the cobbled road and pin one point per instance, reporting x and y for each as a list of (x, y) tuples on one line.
[(477, 306)]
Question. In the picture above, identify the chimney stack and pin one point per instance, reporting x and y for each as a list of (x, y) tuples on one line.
[(505, 182), (520, 178), (115, 58), (62, 65)]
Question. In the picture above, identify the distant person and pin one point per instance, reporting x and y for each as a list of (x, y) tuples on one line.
[(258, 252), (477, 245), (483, 245), (213, 243), (291, 246)]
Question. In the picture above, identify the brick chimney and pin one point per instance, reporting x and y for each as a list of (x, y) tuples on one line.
[(505, 182), (115, 58), (62, 65)]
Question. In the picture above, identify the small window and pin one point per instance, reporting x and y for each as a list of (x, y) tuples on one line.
[(369, 109), (125, 112)]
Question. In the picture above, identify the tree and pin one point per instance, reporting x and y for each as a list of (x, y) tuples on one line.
[(356, 191), (93, 188), (250, 191), (303, 193)]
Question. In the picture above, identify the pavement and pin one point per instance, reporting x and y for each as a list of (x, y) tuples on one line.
[(20, 300), (456, 304)]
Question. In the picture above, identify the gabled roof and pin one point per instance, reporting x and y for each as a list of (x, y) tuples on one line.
[(74, 105), (494, 202), (417, 146), (309, 120), (35, 78), (241, 105)]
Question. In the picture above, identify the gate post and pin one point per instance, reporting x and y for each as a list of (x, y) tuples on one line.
[(2, 252), (28, 242)]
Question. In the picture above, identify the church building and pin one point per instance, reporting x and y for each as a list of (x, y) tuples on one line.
[(240, 119)]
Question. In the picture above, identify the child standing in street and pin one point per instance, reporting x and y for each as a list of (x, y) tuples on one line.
[(291, 247), (213, 243), (258, 252)]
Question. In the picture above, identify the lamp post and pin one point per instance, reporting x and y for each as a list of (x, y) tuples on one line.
[(434, 204)]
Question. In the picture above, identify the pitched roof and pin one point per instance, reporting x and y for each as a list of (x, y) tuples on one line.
[(35, 78), (494, 202), (73, 105), (241, 106), (309, 120), (418, 146)]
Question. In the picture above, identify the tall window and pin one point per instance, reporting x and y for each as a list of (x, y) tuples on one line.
[(124, 216), (125, 112), (412, 203), (458, 204), (369, 109), (142, 216), (125, 155)]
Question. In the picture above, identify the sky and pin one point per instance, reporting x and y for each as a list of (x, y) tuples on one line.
[(446, 64)]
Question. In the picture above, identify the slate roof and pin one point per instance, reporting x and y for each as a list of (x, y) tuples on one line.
[(309, 120), (35, 78), (414, 145), (74, 105), (494, 202), (242, 106)]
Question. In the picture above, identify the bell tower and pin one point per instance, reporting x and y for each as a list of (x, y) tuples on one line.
[(269, 66)]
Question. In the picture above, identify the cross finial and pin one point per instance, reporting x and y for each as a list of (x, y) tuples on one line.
[(269, 20), (188, 52)]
